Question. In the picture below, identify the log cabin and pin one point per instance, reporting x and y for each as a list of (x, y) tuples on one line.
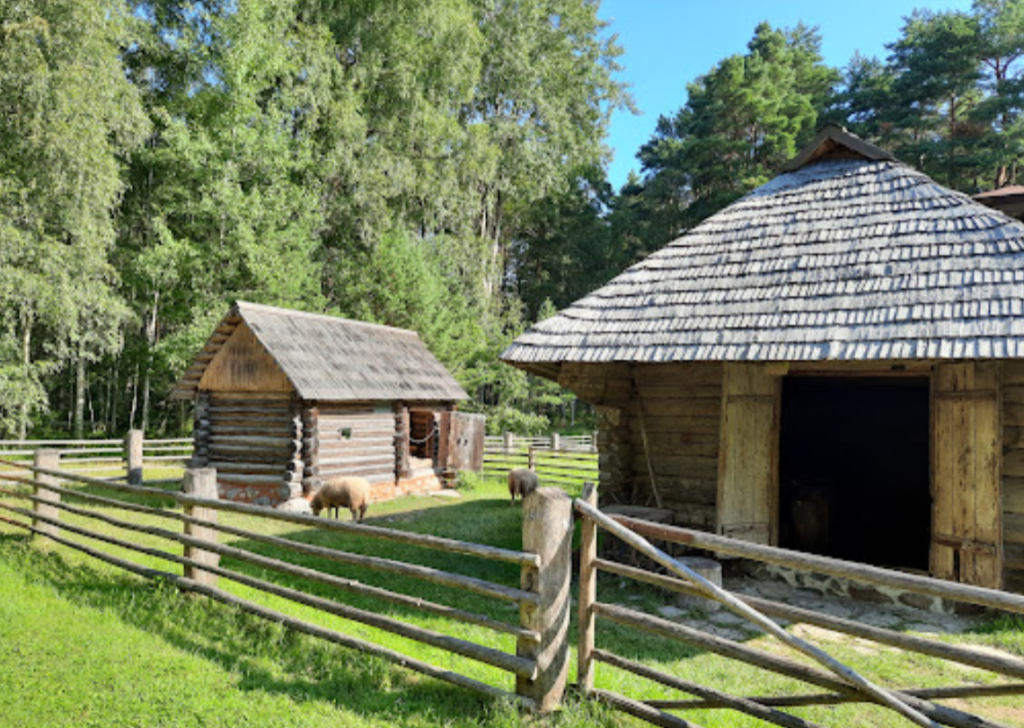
[(833, 363), (286, 399)]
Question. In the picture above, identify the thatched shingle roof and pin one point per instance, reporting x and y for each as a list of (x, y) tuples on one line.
[(849, 257), (333, 359)]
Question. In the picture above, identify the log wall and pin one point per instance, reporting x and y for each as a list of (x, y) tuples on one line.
[(254, 442), (356, 439), (1013, 475)]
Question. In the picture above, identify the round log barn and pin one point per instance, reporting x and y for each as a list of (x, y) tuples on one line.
[(285, 400), (834, 363)]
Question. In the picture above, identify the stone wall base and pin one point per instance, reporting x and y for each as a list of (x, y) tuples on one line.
[(843, 587)]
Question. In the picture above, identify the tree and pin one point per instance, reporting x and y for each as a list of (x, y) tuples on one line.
[(69, 117)]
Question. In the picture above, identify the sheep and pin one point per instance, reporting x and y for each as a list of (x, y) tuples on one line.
[(349, 492), (521, 482)]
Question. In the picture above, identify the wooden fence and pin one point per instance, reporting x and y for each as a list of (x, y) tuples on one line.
[(539, 664), (131, 453), (841, 683), (567, 462)]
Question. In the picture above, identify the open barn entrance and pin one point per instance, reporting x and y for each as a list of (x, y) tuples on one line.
[(854, 469)]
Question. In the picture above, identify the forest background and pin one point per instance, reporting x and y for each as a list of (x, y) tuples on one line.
[(438, 165)]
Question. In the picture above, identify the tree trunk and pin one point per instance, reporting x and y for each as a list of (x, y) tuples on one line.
[(150, 343), (26, 362), (79, 417)]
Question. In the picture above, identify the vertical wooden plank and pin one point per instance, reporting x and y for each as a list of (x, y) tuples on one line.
[(987, 525), (49, 459), (588, 594), (747, 500), (966, 477)]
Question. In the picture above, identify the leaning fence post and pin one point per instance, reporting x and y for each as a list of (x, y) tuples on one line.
[(49, 459), (201, 483), (588, 594), (547, 532), (133, 456)]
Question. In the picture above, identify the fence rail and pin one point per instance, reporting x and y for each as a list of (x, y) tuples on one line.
[(535, 679), (104, 456), (844, 685), (567, 467)]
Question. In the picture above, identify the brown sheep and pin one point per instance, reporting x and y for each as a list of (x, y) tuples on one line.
[(521, 482), (348, 492)]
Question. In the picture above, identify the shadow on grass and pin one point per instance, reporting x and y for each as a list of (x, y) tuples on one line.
[(265, 656)]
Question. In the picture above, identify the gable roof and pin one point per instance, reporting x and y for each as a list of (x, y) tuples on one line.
[(333, 359), (850, 256)]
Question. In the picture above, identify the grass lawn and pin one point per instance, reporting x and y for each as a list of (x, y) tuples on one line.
[(83, 644)]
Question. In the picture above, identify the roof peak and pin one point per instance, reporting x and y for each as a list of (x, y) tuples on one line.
[(835, 142), (241, 306)]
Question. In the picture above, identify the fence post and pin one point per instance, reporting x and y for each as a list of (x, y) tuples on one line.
[(509, 442), (556, 441), (133, 456), (531, 458), (547, 532), (49, 459), (201, 483), (588, 594)]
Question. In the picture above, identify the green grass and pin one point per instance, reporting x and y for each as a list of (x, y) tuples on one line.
[(84, 644)]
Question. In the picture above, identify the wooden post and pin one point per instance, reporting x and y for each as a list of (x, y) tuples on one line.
[(509, 442), (531, 461), (49, 459), (403, 467), (547, 532), (588, 594), (556, 441), (201, 483), (133, 456)]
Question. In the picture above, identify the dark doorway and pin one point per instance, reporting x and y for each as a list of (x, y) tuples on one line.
[(854, 469)]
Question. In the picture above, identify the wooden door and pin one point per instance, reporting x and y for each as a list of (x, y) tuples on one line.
[(748, 456), (966, 474), (465, 441)]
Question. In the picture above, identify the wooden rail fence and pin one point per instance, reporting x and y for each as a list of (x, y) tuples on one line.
[(539, 664), (841, 683), (564, 461), (130, 454)]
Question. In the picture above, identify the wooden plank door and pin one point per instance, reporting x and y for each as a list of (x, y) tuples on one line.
[(966, 474), (748, 456), (465, 440)]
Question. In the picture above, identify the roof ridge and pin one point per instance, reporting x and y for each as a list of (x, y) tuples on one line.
[(265, 308)]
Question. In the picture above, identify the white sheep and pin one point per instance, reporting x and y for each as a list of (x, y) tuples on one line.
[(521, 482), (347, 492)]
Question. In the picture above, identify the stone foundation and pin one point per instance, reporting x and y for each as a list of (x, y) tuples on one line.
[(275, 495), (842, 587)]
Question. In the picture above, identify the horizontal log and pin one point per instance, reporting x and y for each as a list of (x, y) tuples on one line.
[(1013, 414), (640, 710), (221, 395), (725, 700), (387, 534), (827, 565), (252, 441), (1013, 495), (272, 430), (228, 467), (999, 664), (1013, 528), (800, 701), (386, 459), (764, 660), (446, 675), (1013, 463), (250, 479)]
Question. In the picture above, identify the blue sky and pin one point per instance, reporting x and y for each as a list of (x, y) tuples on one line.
[(668, 43)]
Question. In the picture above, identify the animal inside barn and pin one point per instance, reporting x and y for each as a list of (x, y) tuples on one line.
[(286, 400), (834, 363)]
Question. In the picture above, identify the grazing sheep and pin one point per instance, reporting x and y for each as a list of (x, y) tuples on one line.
[(521, 482), (349, 492)]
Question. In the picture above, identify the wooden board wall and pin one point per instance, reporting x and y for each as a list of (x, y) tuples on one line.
[(243, 365), (369, 448), (1013, 475), (967, 543)]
